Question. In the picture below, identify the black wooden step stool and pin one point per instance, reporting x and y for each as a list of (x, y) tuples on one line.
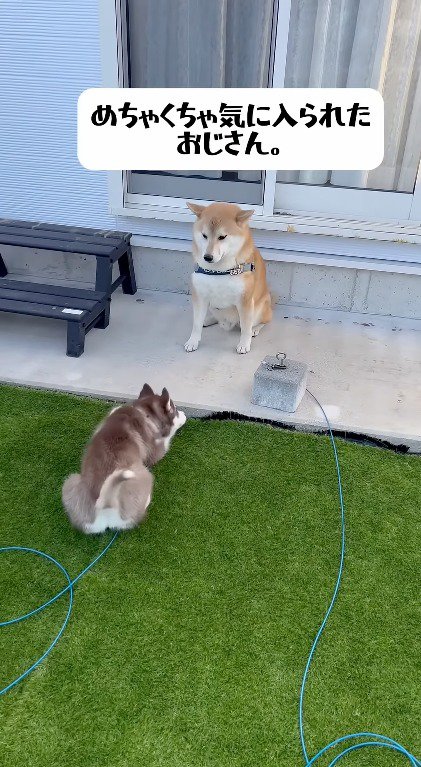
[(81, 309), (84, 308)]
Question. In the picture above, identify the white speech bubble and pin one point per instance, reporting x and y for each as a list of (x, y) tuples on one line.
[(132, 140)]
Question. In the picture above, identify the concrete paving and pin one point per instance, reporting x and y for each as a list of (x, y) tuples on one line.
[(366, 374)]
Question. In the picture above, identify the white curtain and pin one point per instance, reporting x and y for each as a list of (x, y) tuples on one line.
[(200, 43), (363, 43)]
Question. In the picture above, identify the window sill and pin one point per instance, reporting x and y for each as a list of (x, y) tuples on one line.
[(369, 262), (392, 231)]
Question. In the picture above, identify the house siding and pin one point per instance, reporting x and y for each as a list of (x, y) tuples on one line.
[(49, 54)]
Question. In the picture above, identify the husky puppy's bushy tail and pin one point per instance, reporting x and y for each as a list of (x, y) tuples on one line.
[(108, 496), (79, 504), (78, 501)]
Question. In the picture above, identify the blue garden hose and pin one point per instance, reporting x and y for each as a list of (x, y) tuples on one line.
[(67, 590), (365, 739), (369, 739)]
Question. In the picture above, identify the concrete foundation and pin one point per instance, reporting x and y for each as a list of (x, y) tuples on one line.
[(381, 294), (367, 375)]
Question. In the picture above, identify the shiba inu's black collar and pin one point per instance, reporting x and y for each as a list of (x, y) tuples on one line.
[(236, 270)]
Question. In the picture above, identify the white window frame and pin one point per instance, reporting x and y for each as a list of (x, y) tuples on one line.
[(397, 222)]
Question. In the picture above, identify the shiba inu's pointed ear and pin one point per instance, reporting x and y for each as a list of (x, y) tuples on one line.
[(166, 399), (146, 391), (196, 209), (243, 215)]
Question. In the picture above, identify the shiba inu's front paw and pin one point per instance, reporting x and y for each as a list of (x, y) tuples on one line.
[(192, 344), (243, 347)]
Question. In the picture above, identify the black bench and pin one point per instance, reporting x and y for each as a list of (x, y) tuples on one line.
[(82, 309)]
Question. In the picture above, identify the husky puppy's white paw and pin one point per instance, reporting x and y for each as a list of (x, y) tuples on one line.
[(243, 348)]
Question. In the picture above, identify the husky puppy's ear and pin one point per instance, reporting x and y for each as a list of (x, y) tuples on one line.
[(166, 399), (146, 391), (243, 216), (196, 209)]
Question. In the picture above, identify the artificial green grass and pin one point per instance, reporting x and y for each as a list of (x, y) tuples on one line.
[(187, 643)]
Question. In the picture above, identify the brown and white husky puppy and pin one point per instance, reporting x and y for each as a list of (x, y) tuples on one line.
[(229, 285), (114, 487)]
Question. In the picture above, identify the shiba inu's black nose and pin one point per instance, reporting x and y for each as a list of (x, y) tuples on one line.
[(208, 257)]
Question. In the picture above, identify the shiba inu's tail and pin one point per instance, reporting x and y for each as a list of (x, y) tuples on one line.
[(108, 496)]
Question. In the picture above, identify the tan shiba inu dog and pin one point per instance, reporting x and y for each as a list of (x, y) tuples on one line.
[(229, 284)]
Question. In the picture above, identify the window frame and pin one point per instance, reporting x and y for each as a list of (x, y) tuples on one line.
[(124, 205)]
